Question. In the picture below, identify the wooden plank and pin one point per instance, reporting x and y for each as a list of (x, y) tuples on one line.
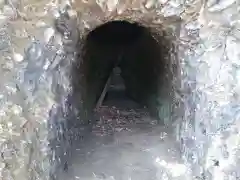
[(107, 85), (100, 100)]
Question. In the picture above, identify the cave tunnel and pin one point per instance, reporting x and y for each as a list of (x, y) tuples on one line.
[(123, 65)]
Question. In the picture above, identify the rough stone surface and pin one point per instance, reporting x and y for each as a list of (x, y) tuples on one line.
[(36, 61)]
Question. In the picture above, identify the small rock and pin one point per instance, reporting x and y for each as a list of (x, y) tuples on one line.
[(18, 57)]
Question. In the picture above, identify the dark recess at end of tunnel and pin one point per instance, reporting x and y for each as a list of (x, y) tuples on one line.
[(123, 64)]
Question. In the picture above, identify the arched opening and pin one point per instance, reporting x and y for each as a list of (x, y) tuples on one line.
[(123, 65), (124, 73)]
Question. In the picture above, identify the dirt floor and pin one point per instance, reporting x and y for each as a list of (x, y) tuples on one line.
[(126, 145)]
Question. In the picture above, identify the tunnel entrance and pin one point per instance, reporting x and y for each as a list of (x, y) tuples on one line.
[(123, 66), (122, 78)]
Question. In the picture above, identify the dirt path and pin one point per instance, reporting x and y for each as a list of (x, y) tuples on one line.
[(126, 149)]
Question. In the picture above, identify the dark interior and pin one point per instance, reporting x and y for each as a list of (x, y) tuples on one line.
[(131, 56)]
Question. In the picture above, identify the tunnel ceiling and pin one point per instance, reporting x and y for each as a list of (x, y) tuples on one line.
[(119, 33)]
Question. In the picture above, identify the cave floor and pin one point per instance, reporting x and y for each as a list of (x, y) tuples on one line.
[(126, 145)]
